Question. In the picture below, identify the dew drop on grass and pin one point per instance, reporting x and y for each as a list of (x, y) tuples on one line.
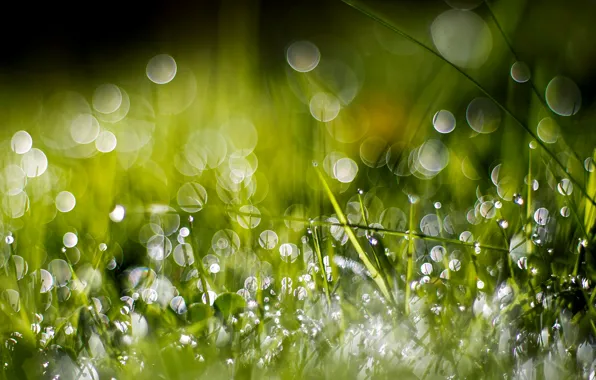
[(488, 210), (565, 212), (466, 237), (70, 239), (565, 187), (117, 214), (20, 265), (437, 253), (225, 242), (184, 232), (429, 225), (191, 197), (548, 131), (65, 201), (522, 263), (106, 142), (563, 96), (589, 164), (454, 265), (503, 223), (444, 121), (520, 72), (463, 38), (9, 239), (480, 284), (324, 107), (13, 299), (46, 281), (541, 216), (483, 115), (61, 271), (34, 163), (426, 269), (209, 297), (84, 128), (249, 217), (289, 252), (438, 205), (21, 142), (268, 239), (178, 305), (303, 56), (183, 255), (161, 69), (107, 98), (518, 199)]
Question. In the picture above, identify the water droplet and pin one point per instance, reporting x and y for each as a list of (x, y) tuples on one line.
[(541, 216), (565, 187), (437, 253), (473, 36), (533, 144), (161, 69), (563, 96), (589, 164), (438, 205), (565, 212), (426, 268), (9, 239), (503, 223), (444, 121), (303, 56), (520, 72), (117, 214), (518, 199)]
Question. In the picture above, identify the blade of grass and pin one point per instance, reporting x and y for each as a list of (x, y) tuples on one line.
[(361, 254)]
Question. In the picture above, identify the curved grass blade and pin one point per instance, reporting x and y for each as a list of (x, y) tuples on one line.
[(374, 273)]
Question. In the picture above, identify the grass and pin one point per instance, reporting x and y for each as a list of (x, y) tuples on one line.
[(275, 263)]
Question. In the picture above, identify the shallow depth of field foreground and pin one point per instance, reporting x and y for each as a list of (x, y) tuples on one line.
[(304, 190)]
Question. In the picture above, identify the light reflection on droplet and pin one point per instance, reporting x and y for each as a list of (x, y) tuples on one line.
[(289, 252), (563, 96), (161, 69), (84, 128), (565, 212), (70, 239), (520, 72), (565, 187), (34, 163), (191, 197), (324, 107), (483, 115), (106, 142), (426, 269), (183, 255), (21, 142), (433, 155), (250, 217), (268, 239), (589, 164), (345, 170), (541, 216), (65, 201), (548, 130), (107, 98), (117, 214), (444, 121), (462, 38), (303, 56)]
